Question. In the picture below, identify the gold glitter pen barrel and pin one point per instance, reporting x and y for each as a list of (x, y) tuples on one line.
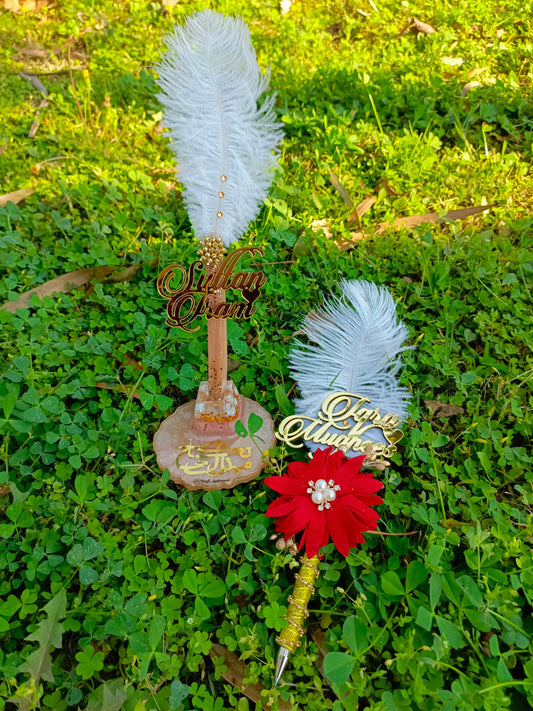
[(289, 638)]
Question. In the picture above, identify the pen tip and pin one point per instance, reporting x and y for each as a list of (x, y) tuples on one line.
[(283, 658)]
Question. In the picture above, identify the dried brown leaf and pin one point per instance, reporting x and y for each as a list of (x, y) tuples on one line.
[(36, 53), (339, 187), (60, 284), (418, 26), (27, 5), (16, 197), (443, 409), (335, 30), (469, 86), (477, 71), (236, 673), (72, 280), (119, 275), (360, 209), (344, 244), (432, 217), (233, 364)]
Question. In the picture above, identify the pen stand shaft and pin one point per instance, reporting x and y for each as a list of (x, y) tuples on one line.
[(217, 343)]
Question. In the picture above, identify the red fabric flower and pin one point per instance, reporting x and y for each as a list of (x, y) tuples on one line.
[(329, 496)]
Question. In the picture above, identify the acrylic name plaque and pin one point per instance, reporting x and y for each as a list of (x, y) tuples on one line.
[(184, 306), (344, 421)]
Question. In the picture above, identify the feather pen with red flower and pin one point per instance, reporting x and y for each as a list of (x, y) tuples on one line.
[(357, 339), (329, 497)]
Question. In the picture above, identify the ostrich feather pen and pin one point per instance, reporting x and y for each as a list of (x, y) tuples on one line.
[(224, 134), (225, 144), (356, 345), (357, 342)]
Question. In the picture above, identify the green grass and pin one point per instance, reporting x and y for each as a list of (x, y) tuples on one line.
[(115, 584)]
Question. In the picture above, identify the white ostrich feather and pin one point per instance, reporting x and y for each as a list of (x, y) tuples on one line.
[(211, 84), (357, 342)]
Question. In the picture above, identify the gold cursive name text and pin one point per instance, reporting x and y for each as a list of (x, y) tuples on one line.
[(183, 306), (341, 423)]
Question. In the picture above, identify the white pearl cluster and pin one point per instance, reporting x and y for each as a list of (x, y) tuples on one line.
[(323, 492)]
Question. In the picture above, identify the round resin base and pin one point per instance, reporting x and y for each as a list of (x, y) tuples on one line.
[(216, 460)]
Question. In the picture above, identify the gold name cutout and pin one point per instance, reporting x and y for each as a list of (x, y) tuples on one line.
[(335, 414), (183, 306)]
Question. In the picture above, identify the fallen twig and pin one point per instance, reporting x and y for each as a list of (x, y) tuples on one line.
[(37, 84), (36, 122)]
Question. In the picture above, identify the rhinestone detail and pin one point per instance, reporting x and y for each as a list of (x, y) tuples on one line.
[(323, 492)]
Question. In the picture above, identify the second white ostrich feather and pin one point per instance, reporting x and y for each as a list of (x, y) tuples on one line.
[(224, 143), (357, 342)]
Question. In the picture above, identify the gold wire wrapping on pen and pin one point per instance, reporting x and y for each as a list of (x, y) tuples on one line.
[(298, 601)]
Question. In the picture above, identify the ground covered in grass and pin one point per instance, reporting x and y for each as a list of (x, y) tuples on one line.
[(116, 587)]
